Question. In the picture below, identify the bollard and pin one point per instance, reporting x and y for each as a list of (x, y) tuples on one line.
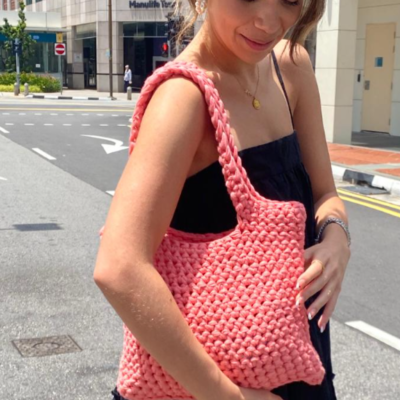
[(16, 89), (26, 91), (129, 93)]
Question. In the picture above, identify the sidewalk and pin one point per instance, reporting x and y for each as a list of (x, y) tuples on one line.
[(373, 159), (71, 94)]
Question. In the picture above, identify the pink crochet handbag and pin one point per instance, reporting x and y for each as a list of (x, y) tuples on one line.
[(236, 289)]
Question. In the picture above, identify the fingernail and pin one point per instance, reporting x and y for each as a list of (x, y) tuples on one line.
[(299, 284), (310, 315), (298, 300), (322, 328)]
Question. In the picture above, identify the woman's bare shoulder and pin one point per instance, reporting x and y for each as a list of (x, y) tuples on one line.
[(297, 71)]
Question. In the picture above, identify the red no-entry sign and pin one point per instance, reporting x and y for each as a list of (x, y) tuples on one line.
[(59, 49)]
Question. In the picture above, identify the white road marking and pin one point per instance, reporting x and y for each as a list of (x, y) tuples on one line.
[(110, 148), (3, 130), (2, 179), (70, 114), (123, 125), (22, 113), (6, 113), (53, 114), (84, 114), (9, 124), (111, 192), (85, 124), (38, 113), (67, 124), (376, 333), (115, 115), (45, 155), (103, 124), (48, 124), (100, 115), (29, 124)]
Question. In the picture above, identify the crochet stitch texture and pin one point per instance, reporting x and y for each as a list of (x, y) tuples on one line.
[(236, 289)]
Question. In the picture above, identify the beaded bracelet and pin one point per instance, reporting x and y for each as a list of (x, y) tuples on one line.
[(335, 220)]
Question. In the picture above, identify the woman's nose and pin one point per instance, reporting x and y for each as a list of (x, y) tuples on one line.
[(268, 19)]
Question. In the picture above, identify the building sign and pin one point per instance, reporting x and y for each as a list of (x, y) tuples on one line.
[(151, 4)]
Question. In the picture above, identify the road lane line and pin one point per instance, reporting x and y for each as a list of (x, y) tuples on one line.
[(85, 124), (67, 124), (376, 333), (45, 155), (22, 113), (111, 192), (53, 114), (48, 124), (126, 125), (366, 198), (6, 113), (103, 124), (377, 208), (3, 130), (29, 124), (115, 115), (2, 179), (9, 124), (38, 113), (70, 114)]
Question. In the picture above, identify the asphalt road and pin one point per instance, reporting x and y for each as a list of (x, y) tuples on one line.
[(54, 201)]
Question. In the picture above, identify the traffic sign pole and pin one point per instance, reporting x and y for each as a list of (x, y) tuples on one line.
[(60, 72), (59, 50)]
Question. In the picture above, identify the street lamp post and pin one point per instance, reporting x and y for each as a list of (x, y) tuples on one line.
[(110, 47)]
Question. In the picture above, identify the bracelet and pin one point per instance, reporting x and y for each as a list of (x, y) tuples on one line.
[(335, 220)]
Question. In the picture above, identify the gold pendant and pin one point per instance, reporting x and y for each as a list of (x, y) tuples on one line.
[(256, 104)]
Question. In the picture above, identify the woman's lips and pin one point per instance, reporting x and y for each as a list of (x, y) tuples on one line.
[(255, 45)]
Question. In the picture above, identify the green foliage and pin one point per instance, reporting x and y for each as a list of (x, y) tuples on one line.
[(10, 88), (18, 32), (45, 83)]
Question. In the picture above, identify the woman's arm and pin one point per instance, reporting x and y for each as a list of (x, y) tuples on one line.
[(333, 252), (140, 213)]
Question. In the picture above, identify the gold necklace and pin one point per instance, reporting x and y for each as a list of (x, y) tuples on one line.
[(256, 103)]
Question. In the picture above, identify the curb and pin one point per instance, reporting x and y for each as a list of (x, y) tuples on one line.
[(374, 181), (39, 96)]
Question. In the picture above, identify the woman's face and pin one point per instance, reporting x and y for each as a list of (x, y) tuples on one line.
[(234, 22)]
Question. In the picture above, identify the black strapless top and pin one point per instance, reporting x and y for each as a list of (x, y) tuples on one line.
[(276, 171)]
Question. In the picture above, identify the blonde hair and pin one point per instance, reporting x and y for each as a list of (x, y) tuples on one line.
[(312, 11)]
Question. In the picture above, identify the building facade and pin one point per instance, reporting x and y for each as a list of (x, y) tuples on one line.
[(42, 27), (358, 67), (139, 31)]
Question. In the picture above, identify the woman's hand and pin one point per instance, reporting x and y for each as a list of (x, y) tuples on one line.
[(327, 262), (258, 394)]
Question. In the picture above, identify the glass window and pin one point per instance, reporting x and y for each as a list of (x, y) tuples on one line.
[(28, 2)]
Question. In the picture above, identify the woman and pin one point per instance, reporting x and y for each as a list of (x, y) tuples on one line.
[(173, 179)]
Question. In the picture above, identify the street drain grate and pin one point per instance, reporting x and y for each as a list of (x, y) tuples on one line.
[(46, 346), (365, 190), (37, 227)]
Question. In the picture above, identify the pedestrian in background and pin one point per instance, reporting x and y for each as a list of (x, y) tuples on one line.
[(127, 78)]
